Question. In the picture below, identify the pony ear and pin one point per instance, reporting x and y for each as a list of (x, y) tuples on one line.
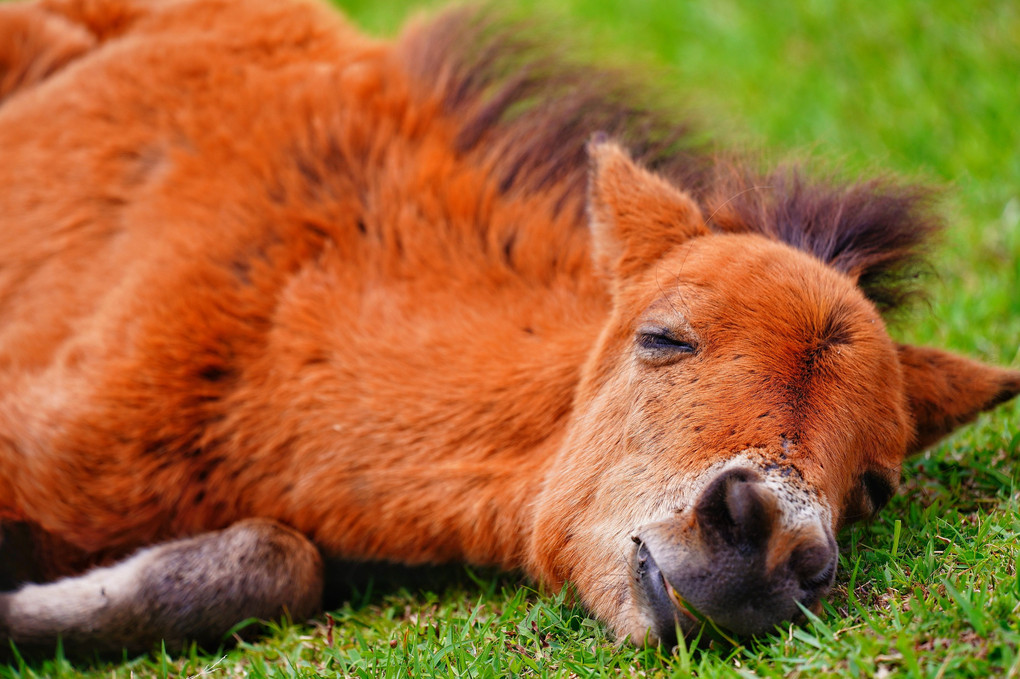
[(636, 216), (945, 391)]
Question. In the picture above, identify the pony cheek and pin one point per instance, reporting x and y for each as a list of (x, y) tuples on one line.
[(570, 548), (572, 502), (557, 533), (572, 534)]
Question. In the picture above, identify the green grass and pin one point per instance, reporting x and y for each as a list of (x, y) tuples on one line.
[(924, 88)]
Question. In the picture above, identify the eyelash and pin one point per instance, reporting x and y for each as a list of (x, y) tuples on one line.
[(663, 341)]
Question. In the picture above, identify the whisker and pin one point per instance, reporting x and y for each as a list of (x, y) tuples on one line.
[(734, 197), (677, 279), (665, 296)]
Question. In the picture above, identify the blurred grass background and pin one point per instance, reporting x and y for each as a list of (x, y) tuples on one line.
[(926, 89)]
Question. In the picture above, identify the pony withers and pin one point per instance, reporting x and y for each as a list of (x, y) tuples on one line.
[(271, 291)]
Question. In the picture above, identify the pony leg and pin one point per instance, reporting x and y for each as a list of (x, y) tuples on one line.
[(193, 589), (34, 44)]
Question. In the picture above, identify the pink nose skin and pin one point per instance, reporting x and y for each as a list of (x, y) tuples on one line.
[(733, 562)]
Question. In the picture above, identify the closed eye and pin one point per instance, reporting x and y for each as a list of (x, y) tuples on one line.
[(660, 345), (663, 341)]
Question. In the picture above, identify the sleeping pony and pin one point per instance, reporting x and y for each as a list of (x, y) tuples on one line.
[(272, 291)]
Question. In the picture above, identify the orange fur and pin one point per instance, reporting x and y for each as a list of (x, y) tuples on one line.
[(253, 265)]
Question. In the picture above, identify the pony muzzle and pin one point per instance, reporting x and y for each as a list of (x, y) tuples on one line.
[(734, 564)]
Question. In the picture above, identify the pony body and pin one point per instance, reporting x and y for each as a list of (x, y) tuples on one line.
[(262, 276)]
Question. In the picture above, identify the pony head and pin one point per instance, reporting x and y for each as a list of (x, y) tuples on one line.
[(743, 402)]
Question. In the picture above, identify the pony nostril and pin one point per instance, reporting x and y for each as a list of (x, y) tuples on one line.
[(821, 579), (814, 565), (736, 507)]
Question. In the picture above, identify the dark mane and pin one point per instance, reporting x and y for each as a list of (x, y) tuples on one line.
[(528, 114)]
